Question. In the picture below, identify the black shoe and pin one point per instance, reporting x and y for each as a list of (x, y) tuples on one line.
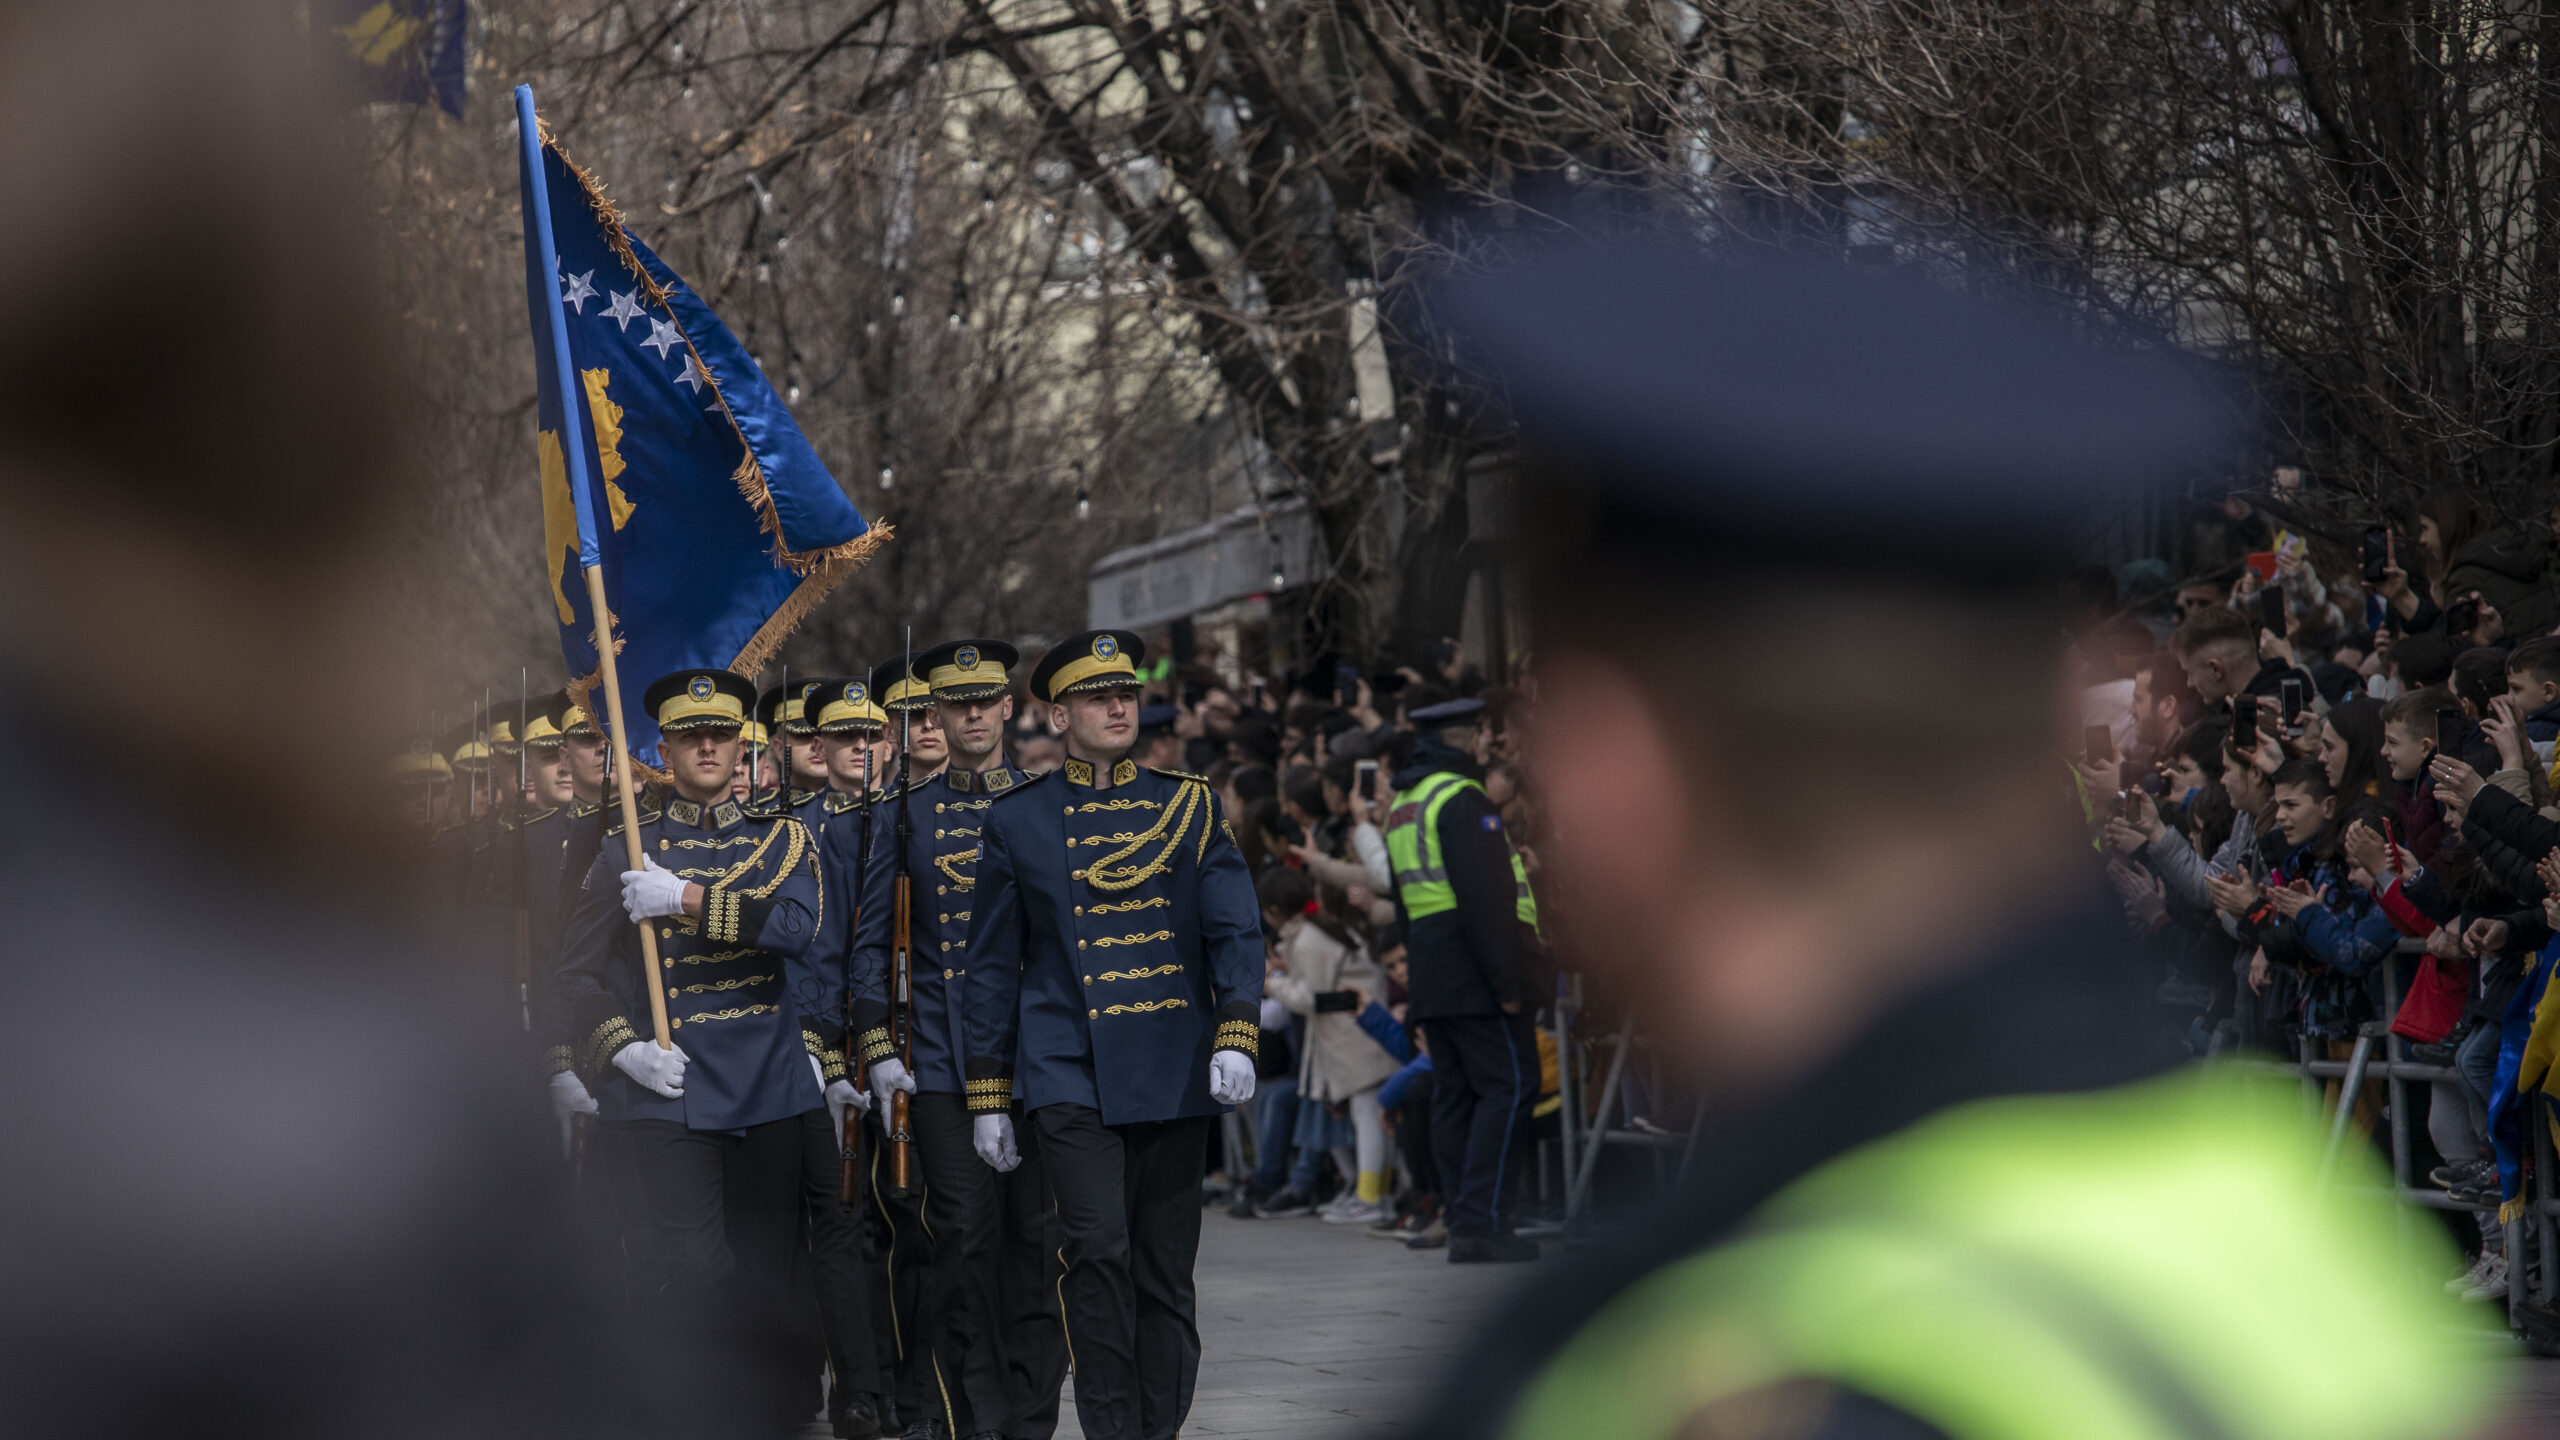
[(988, 1435), (928, 1428), (858, 1420), (1490, 1249), (1430, 1237), (1288, 1204)]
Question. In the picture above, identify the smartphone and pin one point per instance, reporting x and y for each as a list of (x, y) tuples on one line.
[(2098, 745), (2295, 697), (2449, 728), (2244, 724), (2271, 610), (2377, 554), (2131, 804), (2462, 617), (1346, 683)]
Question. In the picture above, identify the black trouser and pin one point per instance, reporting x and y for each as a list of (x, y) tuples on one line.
[(1030, 1264), (959, 1317), (1484, 1080), (1129, 1206), (1413, 1135), (715, 1218), (905, 1248), (847, 1281)]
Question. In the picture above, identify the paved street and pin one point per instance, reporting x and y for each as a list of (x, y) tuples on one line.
[(1309, 1330)]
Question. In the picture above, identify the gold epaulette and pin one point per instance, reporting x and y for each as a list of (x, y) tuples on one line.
[(613, 821), (1178, 774)]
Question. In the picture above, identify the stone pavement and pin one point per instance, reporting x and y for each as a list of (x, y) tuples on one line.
[(1316, 1331)]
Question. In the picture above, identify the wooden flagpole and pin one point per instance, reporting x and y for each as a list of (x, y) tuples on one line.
[(611, 684)]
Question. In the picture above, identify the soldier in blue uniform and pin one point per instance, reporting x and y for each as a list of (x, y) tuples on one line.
[(783, 711), (922, 1394), (846, 1265), (714, 1120), (969, 684), (1114, 989)]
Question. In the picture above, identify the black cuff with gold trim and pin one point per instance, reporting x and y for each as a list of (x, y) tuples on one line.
[(556, 1060), (605, 1040), (990, 1086), (1240, 1028), (830, 1061)]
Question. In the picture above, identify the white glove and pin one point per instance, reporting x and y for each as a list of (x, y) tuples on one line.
[(658, 1071), (993, 1137), (1230, 1077), (888, 1075), (652, 892), (568, 1097), (843, 1095)]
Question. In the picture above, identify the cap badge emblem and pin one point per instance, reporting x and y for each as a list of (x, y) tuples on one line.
[(700, 687)]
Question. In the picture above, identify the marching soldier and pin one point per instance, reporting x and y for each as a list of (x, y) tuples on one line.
[(787, 730), (922, 1390), (714, 1121), (1114, 945), (969, 686), (854, 1297), (556, 852)]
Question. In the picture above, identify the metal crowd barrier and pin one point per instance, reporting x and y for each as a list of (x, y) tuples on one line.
[(2533, 1238)]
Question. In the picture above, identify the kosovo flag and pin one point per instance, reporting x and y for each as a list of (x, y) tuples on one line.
[(716, 526), (404, 51)]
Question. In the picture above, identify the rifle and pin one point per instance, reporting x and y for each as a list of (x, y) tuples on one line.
[(524, 911), (901, 952), (861, 872)]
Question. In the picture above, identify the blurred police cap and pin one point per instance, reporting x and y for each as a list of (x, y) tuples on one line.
[(1789, 410)]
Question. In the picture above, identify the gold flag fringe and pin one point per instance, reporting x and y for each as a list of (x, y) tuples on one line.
[(841, 561)]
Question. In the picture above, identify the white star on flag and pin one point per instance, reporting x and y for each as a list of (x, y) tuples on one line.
[(693, 375), (663, 337), (579, 292), (624, 309)]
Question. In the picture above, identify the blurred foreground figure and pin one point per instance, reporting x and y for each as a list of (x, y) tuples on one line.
[(266, 1176), (1954, 1186)]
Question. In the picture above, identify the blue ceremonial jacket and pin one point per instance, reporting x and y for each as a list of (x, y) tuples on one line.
[(1114, 944), (729, 1006), (945, 814), (818, 977)]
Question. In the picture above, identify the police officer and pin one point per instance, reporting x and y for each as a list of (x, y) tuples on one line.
[(1115, 947), (968, 685), (1953, 1187), (1466, 905), (714, 1118)]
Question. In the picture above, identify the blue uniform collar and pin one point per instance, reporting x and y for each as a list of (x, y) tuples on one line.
[(993, 781), (719, 815), (1081, 772)]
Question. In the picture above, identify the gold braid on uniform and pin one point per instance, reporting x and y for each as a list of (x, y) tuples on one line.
[(1116, 871), (991, 1095), (829, 1061), (874, 1045), (556, 1059), (605, 1040)]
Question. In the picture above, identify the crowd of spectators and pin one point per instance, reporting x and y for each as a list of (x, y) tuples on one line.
[(2318, 753)]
